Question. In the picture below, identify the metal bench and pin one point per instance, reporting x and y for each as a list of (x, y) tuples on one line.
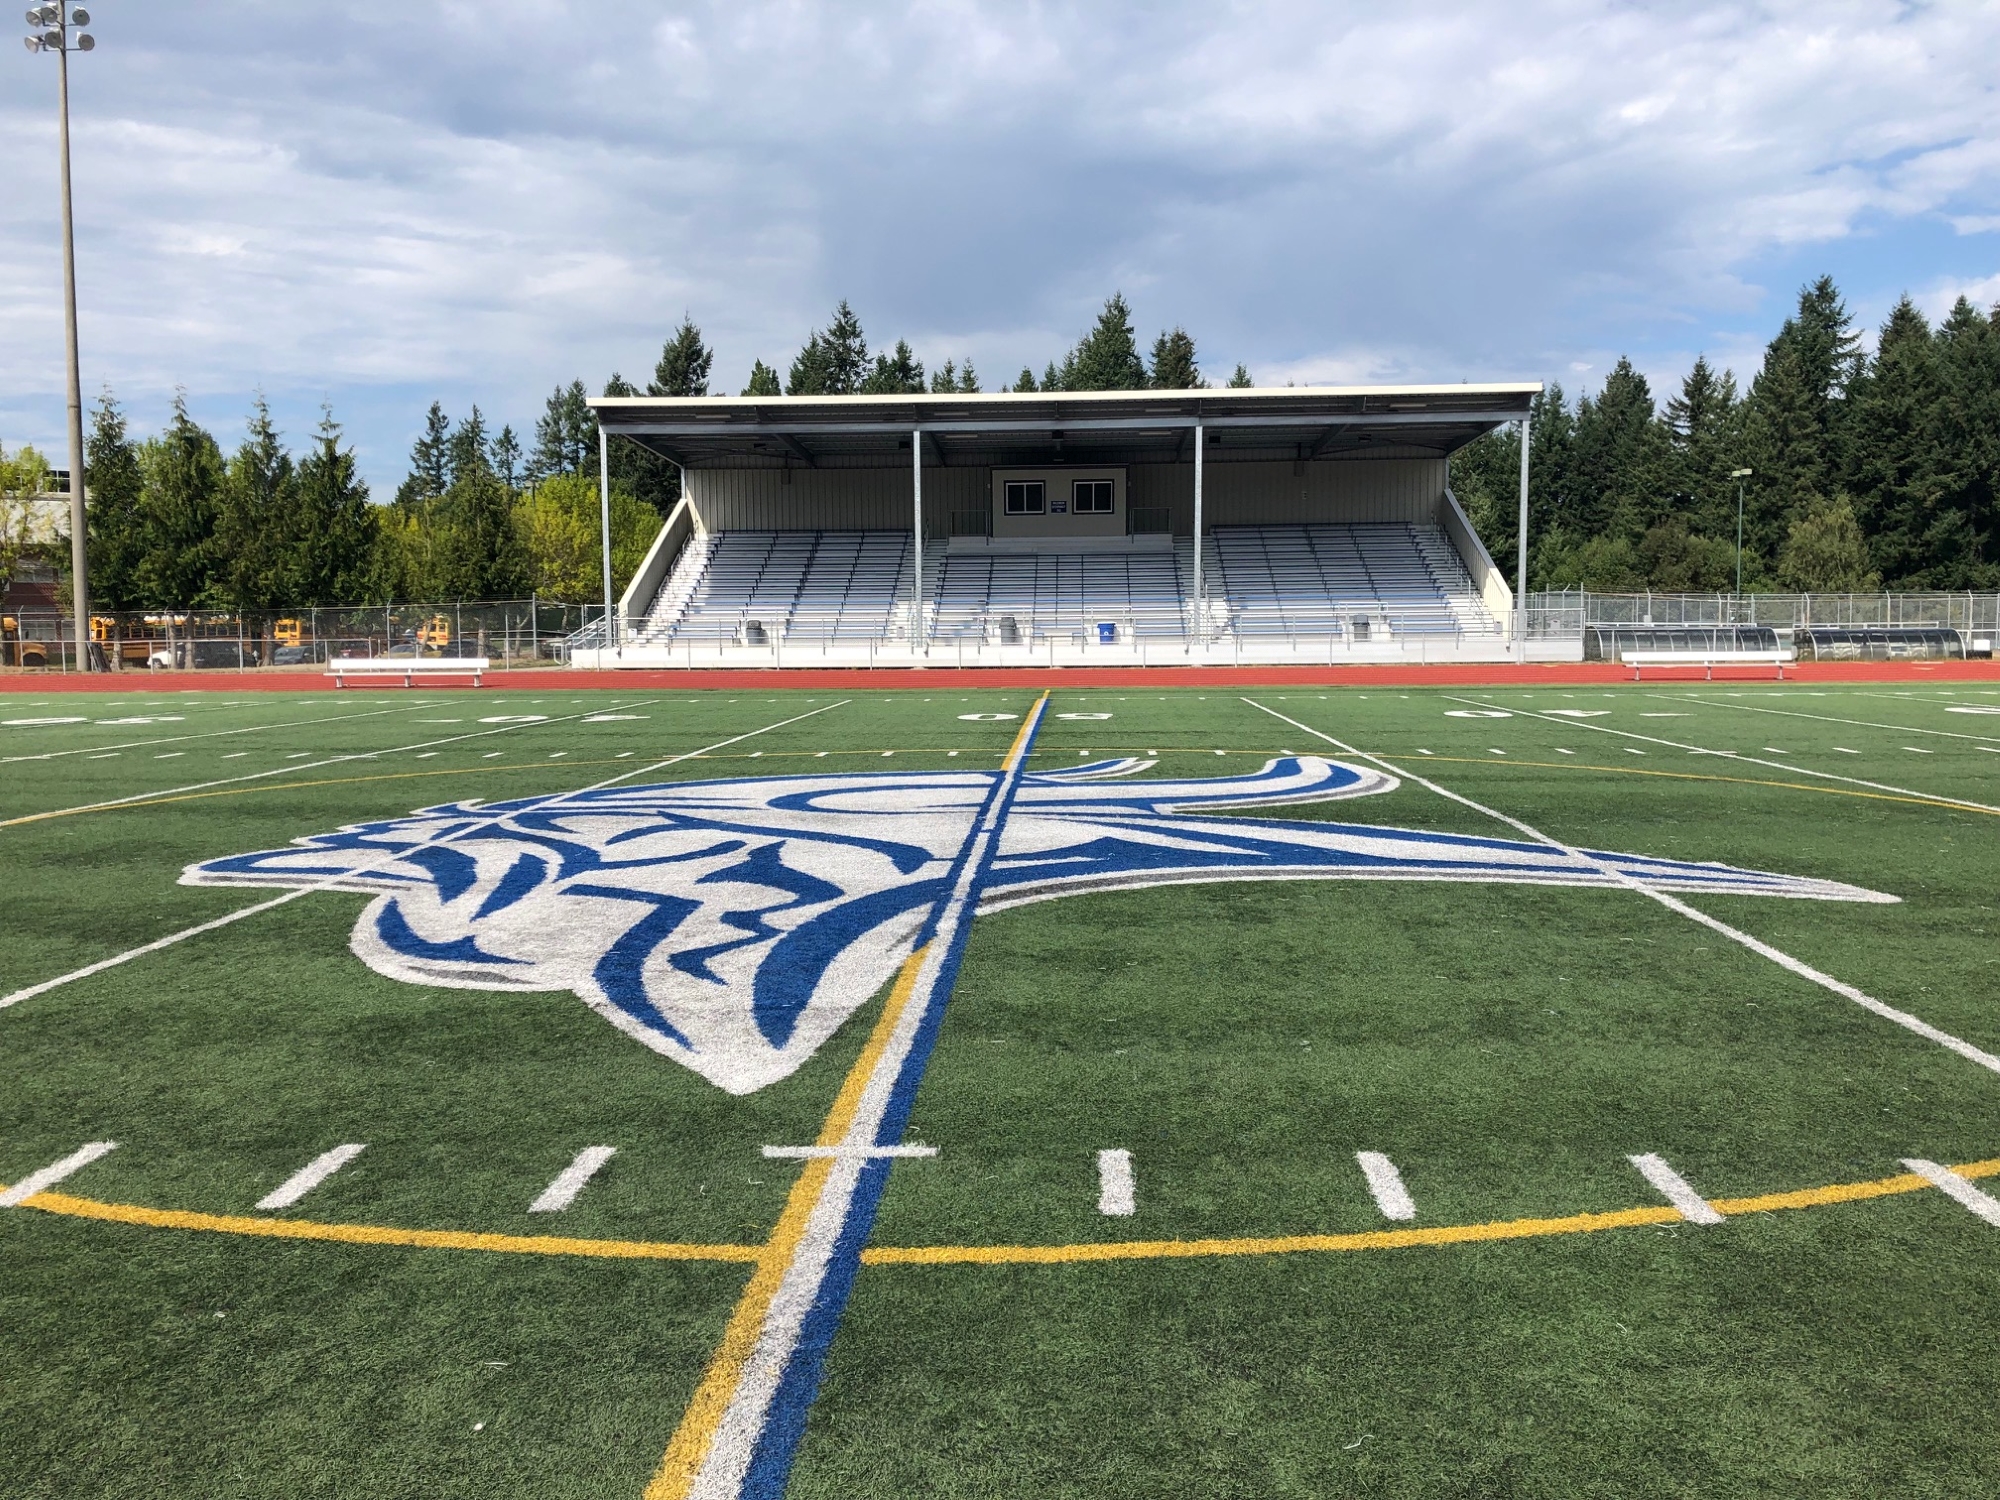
[(409, 668), (1708, 661)]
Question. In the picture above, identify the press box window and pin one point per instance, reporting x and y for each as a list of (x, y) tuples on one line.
[(1026, 497), (1091, 497)]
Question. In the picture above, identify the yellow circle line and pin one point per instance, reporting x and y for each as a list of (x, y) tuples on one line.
[(933, 1255)]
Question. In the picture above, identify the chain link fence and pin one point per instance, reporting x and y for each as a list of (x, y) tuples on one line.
[(508, 632), (1816, 625)]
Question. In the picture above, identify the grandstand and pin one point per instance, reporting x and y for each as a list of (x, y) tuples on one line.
[(1153, 527)]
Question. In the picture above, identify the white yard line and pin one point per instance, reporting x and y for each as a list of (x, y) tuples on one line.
[(1385, 1183), (1948, 1182), (1116, 1193), (1617, 876), (310, 1176), (1794, 713), (211, 734), (561, 1193), (1675, 1189), (1753, 760), (389, 858), (315, 765), (54, 1173)]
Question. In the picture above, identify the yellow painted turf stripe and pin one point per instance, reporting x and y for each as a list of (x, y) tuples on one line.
[(688, 1448), (381, 1234), (1394, 1239), (1387, 1239)]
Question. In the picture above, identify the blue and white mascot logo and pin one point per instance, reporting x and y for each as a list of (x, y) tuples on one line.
[(734, 925)]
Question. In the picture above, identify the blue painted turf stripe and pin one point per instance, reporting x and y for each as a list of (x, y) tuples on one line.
[(785, 1424)]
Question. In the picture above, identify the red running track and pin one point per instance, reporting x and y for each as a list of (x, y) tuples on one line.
[(1501, 674)]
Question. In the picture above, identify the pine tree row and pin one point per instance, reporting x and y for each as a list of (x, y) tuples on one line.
[(1866, 472)]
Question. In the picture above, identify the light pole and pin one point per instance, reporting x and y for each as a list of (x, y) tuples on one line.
[(50, 32), (1739, 475)]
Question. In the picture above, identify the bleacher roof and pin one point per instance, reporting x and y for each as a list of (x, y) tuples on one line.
[(1003, 428)]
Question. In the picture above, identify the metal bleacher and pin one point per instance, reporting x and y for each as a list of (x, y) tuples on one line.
[(1303, 581), (1363, 583), (1010, 597), (758, 586)]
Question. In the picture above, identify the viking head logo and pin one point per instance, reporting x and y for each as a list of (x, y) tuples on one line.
[(734, 925)]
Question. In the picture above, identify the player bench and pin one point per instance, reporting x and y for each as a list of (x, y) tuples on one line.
[(1708, 661), (409, 668)]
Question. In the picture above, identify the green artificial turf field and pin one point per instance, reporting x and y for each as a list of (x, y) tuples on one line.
[(1546, 1322)]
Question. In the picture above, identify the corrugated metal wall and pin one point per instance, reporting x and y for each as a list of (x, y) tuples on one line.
[(1241, 494), (832, 499), (1265, 494)]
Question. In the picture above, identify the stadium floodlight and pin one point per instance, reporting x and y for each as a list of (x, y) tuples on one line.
[(1739, 475), (55, 22)]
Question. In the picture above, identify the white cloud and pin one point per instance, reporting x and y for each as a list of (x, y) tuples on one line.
[(478, 201)]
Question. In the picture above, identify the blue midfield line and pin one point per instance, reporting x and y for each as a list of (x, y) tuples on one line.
[(771, 1464)]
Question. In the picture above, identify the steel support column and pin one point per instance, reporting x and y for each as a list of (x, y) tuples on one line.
[(917, 572), (1200, 600), (604, 518), (1521, 558)]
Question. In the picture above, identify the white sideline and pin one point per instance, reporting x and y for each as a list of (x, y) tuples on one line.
[(1753, 760), (332, 760), (1763, 949), (561, 1193), (1115, 1191), (1985, 1205), (310, 1176), (215, 734), (1386, 1184), (328, 881), (54, 1173), (1794, 713), (1675, 1189)]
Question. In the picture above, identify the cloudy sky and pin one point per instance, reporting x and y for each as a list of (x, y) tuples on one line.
[(375, 205)]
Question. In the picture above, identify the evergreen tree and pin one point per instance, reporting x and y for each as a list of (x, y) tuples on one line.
[(1240, 380), (1796, 415), (430, 463), (566, 433), (255, 514), (1052, 378), (506, 457), (1615, 479), (1968, 441), (1174, 367), (333, 539), (467, 450), (1893, 455), (178, 510), (1107, 358), (968, 379), (637, 469), (947, 381), (1704, 440), (117, 537), (833, 363), (898, 374), (684, 364), (763, 381), (1024, 383), (476, 554)]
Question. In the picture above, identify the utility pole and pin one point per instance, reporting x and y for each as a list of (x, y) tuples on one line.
[(51, 33), (1739, 475)]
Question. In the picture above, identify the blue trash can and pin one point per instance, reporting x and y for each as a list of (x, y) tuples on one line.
[(1107, 633)]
